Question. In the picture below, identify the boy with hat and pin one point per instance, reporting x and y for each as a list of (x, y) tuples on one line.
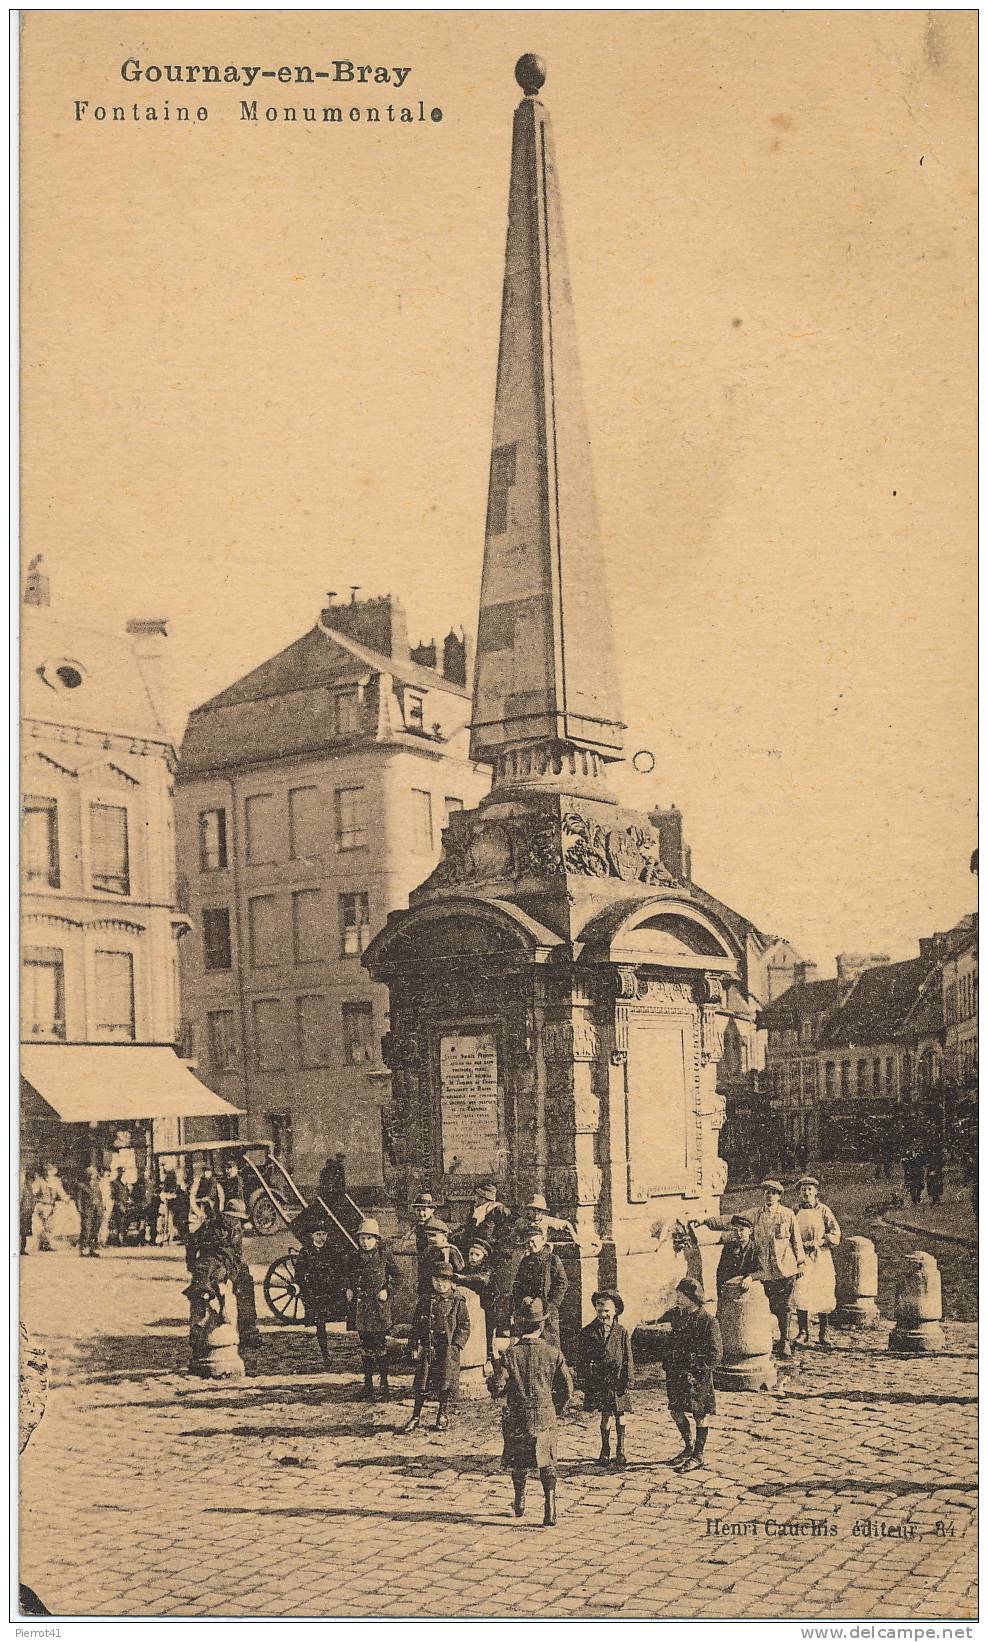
[(606, 1370), (534, 1378), (317, 1277), (815, 1294), (371, 1280), (695, 1348), (541, 1276), (779, 1247), (478, 1275), (739, 1257), (440, 1330), (431, 1233)]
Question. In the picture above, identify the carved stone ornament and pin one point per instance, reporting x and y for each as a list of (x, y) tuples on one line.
[(626, 981), (712, 1026)]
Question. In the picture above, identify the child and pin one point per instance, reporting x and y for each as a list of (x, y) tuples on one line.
[(478, 1275), (318, 1281), (371, 1280), (538, 1385), (439, 1332), (607, 1371), (694, 1348)]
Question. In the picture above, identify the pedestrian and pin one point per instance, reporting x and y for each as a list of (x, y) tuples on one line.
[(739, 1257), (488, 1218), (232, 1184), (779, 1247), (26, 1210), (431, 1234), (48, 1193), (372, 1278), (317, 1276), (332, 1182), (606, 1371), (440, 1330), (106, 1194), (89, 1202), (694, 1350), (541, 1276), (478, 1275), (815, 1294), (934, 1173), (914, 1171), (533, 1377), (120, 1203), (223, 1237)]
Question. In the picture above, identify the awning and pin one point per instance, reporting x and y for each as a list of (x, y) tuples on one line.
[(96, 1083)]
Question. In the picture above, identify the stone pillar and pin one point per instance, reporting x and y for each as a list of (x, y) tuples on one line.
[(857, 1284), (215, 1341), (474, 1353), (746, 1324), (918, 1308)]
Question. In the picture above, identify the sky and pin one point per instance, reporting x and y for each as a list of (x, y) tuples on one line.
[(258, 363)]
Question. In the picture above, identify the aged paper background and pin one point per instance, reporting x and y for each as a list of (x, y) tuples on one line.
[(259, 362)]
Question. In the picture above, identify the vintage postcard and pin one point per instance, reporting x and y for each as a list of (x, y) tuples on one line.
[(499, 949)]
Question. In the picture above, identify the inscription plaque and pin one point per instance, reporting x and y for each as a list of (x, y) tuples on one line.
[(469, 1103)]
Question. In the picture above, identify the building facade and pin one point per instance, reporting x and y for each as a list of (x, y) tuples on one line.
[(99, 920), (312, 796)]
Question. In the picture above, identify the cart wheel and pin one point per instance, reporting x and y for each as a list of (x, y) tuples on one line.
[(282, 1293), (264, 1216)]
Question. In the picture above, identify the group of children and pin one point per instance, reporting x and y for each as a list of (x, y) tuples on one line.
[(531, 1374)]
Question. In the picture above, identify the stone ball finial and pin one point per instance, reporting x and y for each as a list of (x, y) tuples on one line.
[(530, 74)]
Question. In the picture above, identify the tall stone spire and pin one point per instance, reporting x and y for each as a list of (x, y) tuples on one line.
[(546, 708)]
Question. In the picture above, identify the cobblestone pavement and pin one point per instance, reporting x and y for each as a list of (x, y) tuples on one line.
[(848, 1493)]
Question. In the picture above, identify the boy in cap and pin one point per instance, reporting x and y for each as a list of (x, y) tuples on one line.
[(779, 1247), (371, 1280), (318, 1281), (695, 1348), (541, 1276), (534, 1378), (478, 1275), (606, 1370), (815, 1294), (739, 1257), (440, 1330)]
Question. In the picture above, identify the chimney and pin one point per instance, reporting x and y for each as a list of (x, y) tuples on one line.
[(852, 964), (802, 972), (380, 624), (455, 648), (150, 635), (673, 851), (37, 589), (425, 654)]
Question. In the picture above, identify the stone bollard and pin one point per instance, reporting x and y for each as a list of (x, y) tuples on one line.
[(746, 1327), (857, 1284), (215, 1340), (918, 1308), (474, 1353)]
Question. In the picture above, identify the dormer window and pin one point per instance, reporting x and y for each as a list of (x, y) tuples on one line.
[(414, 710)]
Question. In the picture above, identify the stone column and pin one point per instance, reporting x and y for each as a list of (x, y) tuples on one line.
[(857, 1284), (918, 1308)]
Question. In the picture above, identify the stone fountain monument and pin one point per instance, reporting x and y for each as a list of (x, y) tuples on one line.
[(558, 990)]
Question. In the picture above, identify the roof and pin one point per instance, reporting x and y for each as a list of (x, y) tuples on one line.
[(286, 705), (800, 1003), (110, 1082), (739, 926), (113, 695), (878, 1004)]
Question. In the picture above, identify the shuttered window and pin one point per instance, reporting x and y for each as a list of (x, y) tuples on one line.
[(222, 1038), (269, 1051), (262, 916), (354, 924), (212, 840), (261, 813), (216, 937), (307, 930), (306, 824), (40, 842), (43, 992), (358, 1033), (312, 1031), (109, 847), (351, 820), (115, 995)]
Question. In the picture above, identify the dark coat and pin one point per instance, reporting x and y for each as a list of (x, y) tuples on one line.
[(369, 1272), (542, 1276), (534, 1378), (737, 1261), (429, 1257), (320, 1281), (606, 1368), (440, 1330), (694, 1349), (208, 1196)]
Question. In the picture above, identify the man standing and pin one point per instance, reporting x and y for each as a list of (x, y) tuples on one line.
[(815, 1294), (48, 1193), (120, 1193), (26, 1210), (779, 1247), (541, 1276), (89, 1202)]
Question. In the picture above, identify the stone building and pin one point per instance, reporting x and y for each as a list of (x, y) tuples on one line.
[(960, 1005), (99, 916), (311, 796)]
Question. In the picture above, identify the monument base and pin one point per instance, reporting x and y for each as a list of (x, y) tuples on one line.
[(861, 1315), (757, 1374), (918, 1341)]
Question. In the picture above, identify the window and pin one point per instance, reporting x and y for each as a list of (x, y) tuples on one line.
[(876, 1077), (354, 923), (358, 1033), (307, 941), (907, 1070), (845, 1078), (862, 1077), (262, 833), (351, 823), (115, 995), (828, 1078), (311, 1031), (304, 824), (43, 992), (890, 1076), (222, 1038), (40, 846), (262, 922), (452, 806), (806, 1031), (347, 712), (414, 710), (268, 1047), (421, 819), (216, 937), (212, 840), (110, 853)]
